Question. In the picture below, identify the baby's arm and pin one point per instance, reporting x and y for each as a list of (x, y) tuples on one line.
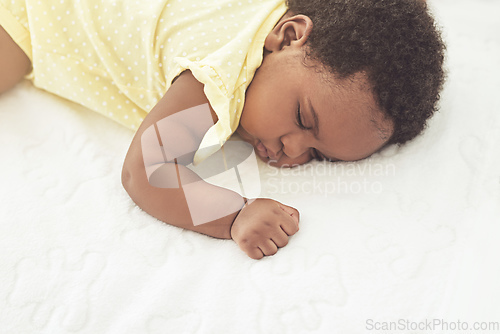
[(169, 204), (259, 223)]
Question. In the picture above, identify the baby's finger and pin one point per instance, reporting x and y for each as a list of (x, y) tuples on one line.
[(280, 239), (255, 253), (292, 212), (268, 247), (289, 226)]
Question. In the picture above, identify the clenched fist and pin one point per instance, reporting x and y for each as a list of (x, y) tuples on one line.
[(263, 226)]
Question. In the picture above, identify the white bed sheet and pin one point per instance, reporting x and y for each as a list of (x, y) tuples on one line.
[(410, 233)]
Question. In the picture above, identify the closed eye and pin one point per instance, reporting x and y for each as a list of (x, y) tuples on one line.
[(300, 123)]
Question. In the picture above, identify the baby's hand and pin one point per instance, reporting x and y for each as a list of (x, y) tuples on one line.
[(263, 226)]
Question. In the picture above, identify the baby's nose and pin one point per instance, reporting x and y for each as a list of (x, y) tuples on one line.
[(292, 152), (293, 148)]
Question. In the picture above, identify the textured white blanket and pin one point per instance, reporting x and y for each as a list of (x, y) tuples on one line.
[(409, 235)]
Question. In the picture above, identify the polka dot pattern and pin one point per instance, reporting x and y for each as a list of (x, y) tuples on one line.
[(118, 57)]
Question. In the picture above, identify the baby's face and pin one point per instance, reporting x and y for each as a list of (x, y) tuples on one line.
[(291, 115)]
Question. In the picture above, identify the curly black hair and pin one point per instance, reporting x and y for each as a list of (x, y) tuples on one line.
[(395, 42)]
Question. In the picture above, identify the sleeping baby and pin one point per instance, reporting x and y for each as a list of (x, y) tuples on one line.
[(297, 80)]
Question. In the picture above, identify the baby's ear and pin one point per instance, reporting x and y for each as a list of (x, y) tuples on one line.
[(289, 31)]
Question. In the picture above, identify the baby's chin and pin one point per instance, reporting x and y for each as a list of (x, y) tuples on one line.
[(267, 160), (284, 162)]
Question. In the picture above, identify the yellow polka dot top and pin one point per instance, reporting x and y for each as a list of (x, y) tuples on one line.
[(119, 57)]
